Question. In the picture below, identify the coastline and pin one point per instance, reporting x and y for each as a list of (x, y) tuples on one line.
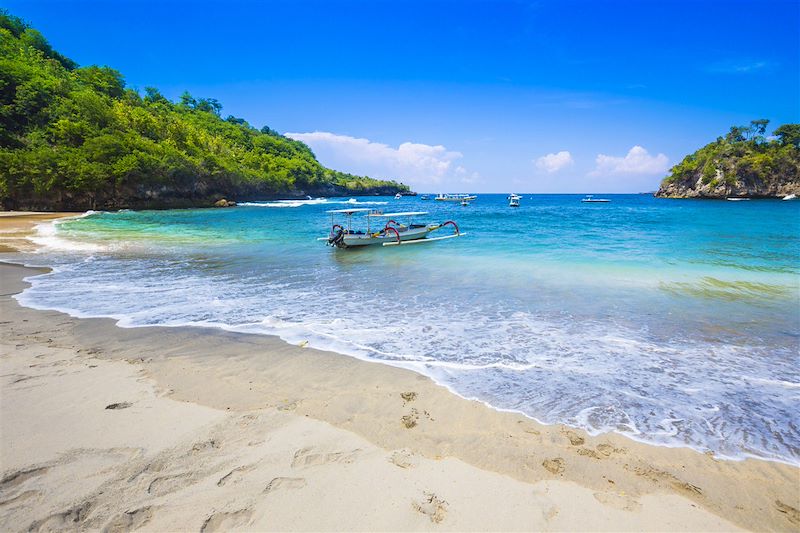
[(368, 446)]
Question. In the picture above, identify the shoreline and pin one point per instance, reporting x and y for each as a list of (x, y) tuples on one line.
[(210, 329), (419, 423), (121, 321)]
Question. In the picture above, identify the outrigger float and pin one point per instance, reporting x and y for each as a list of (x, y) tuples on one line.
[(388, 233)]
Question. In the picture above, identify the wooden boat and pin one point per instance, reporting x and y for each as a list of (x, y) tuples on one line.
[(383, 229), (442, 197), (591, 199)]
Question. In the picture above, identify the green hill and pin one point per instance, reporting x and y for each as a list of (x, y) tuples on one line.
[(76, 138), (743, 163)]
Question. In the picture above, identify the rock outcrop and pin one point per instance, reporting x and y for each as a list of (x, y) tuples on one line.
[(693, 187), (745, 163)]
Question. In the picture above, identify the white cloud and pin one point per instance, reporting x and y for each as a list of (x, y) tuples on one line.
[(739, 67), (637, 161), (412, 163), (554, 162)]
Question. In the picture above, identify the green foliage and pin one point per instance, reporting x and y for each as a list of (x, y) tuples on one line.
[(79, 133), (743, 155), (789, 134)]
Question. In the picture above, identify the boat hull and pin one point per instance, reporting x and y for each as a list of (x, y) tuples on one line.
[(452, 199), (409, 234)]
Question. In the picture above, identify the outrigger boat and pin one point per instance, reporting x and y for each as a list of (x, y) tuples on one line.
[(383, 228), (442, 197)]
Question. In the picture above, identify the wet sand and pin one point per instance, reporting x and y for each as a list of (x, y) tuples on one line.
[(200, 429), (16, 226)]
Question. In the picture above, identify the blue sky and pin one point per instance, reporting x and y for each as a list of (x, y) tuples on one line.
[(538, 96)]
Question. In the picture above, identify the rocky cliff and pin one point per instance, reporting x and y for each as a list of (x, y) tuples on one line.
[(743, 163)]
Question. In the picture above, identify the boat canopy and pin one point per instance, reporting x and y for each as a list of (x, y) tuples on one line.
[(405, 214), (350, 211)]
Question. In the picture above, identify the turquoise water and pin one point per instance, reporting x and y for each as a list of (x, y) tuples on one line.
[(673, 322)]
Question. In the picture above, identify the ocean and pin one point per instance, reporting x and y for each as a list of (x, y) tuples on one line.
[(674, 322)]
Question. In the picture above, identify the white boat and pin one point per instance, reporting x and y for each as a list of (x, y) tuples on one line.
[(513, 200), (424, 197), (591, 199), (465, 202), (398, 196), (790, 197), (732, 199), (383, 228), (442, 197)]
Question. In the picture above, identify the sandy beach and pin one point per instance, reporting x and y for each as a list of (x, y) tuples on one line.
[(193, 429)]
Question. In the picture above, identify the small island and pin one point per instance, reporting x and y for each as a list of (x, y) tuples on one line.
[(76, 138), (742, 164)]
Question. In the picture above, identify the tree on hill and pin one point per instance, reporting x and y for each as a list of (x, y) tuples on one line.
[(743, 162), (76, 137)]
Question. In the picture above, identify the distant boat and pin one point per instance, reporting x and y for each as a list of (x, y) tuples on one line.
[(424, 197), (465, 202), (441, 197), (790, 197), (591, 199), (513, 200), (732, 199)]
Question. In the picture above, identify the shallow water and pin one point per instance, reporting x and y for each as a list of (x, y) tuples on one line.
[(674, 322)]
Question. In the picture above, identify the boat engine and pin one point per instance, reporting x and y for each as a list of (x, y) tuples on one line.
[(337, 236)]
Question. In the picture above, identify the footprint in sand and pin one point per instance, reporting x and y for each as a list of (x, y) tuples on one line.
[(588, 453), (556, 465), (166, 484), (308, 457), (205, 446), (432, 506), (617, 501), (73, 519), (412, 419), (792, 514), (20, 498), (285, 483), (226, 521), (235, 475), (14, 479), (574, 438), (408, 396), (657, 476), (129, 520), (403, 458)]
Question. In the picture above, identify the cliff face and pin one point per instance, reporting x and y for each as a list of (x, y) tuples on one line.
[(198, 194), (693, 186)]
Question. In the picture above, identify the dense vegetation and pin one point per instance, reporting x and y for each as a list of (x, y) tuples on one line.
[(75, 137), (743, 163)]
